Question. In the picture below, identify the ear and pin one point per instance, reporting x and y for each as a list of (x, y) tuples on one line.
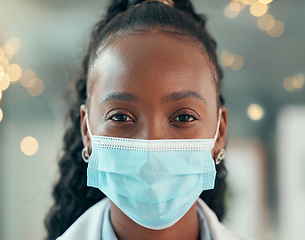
[(222, 133), (84, 129)]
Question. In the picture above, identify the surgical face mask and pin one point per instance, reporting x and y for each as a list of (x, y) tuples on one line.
[(154, 182)]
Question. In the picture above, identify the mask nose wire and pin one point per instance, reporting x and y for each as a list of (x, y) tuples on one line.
[(87, 122), (217, 129), (215, 136)]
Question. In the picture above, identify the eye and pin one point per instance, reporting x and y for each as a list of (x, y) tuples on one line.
[(184, 118), (121, 118)]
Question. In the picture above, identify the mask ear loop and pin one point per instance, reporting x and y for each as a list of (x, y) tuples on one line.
[(218, 124), (87, 123), (85, 151)]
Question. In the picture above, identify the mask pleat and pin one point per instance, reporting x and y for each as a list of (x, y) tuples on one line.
[(154, 182)]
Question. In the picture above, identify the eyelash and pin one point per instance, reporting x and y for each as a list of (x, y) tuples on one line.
[(176, 119), (120, 115)]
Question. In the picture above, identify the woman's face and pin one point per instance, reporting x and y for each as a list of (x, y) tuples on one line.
[(153, 86)]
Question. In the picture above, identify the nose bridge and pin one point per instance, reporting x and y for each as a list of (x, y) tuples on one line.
[(153, 128)]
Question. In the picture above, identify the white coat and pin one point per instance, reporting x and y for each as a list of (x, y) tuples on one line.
[(88, 225)]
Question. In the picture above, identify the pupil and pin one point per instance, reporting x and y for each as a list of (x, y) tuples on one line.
[(184, 118), (121, 117)]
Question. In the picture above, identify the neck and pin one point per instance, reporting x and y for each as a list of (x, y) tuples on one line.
[(126, 229)]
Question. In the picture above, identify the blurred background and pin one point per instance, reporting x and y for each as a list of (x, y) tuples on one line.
[(261, 46)]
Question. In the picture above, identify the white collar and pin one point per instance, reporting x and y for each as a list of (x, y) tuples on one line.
[(88, 225)]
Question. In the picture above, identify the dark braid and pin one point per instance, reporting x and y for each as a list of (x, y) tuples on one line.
[(71, 194)]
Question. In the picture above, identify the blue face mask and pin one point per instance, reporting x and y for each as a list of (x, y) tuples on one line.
[(154, 182)]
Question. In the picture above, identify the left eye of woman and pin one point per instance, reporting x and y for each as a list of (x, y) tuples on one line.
[(184, 118)]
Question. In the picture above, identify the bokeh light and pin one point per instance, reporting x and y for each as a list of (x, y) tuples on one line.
[(230, 13), (14, 72), (29, 146), (0, 95), (226, 58), (4, 62), (15, 44), (287, 84), (266, 22), (298, 81), (4, 81), (37, 89), (277, 29), (255, 112), (258, 9), (238, 62), (291, 83), (265, 1), (248, 2), (234, 61), (236, 6), (28, 78), (1, 115), (9, 51)]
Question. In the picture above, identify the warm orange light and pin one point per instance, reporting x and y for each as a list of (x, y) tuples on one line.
[(266, 22), (255, 112), (29, 146), (258, 9), (1, 115), (226, 58), (14, 72), (9, 51), (15, 44), (248, 2), (28, 78), (4, 63), (238, 62), (234, 61), (277, 29), (287, 84), (4, 81), (37, 89), (230, 13), (236, 6), (298, 81), (265, 1)]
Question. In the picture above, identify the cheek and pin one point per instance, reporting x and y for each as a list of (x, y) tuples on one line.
[(205, 129)]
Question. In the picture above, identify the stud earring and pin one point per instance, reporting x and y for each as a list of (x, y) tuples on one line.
[(85, 154), (220, 156)]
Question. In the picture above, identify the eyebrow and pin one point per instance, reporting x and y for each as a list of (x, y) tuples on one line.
[(182, 95), (119, 96)]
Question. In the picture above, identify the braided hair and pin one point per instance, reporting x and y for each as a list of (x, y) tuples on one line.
[(71, 194)]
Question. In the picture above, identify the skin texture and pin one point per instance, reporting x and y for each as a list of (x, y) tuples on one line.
[(169, 92)]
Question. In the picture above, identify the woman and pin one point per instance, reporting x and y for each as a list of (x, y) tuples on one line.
[(151, 123)]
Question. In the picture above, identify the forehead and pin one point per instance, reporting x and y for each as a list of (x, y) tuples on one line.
[(141, 61)]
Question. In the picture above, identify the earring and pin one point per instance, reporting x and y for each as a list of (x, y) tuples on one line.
[(220, 156), (85, 154)]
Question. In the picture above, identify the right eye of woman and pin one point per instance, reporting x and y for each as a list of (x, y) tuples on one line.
[(119, 117)]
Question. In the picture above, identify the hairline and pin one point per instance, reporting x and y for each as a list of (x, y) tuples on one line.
[(170, 32)]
